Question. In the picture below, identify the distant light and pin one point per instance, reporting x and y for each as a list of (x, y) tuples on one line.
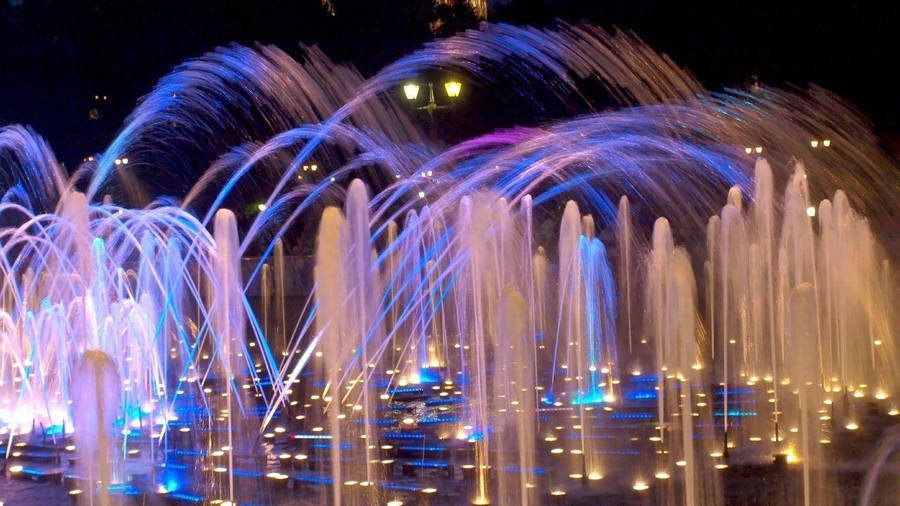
[(261, 207), (453, 88), (748, 150), (117, 161), (411, 91), (421, 195), (851, 426), (826, 143), (758, 149), (640, 485), (811, 211), (662, 475), (124, 161), (313, 167), (815, 144)]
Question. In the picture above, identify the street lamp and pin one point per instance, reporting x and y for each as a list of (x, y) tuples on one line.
[(411, 92), (453, 88)]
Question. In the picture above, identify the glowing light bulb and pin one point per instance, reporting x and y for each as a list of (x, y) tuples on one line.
[(411, 91), (453, 88), (640, 485)]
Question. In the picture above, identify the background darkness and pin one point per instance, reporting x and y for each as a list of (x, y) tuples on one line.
[(57, 55)]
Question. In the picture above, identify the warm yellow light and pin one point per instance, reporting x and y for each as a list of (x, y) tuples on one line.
[(791, 456), (261, 207), (826, 143), (411, 91), (852, 426), (640, 485), (662, 475), (758, 149), (748, 150), (453, 88), (811, 211), (814, 144)]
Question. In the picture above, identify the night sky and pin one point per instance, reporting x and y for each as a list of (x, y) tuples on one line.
[(57, 55)]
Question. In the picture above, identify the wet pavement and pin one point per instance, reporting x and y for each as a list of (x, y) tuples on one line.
[(15, 492)]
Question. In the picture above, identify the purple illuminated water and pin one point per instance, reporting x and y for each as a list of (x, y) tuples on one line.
[(632, 305)]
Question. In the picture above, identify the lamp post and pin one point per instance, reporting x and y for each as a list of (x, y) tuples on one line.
[(411, 92)]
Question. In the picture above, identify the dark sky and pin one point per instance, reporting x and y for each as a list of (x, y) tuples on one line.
[(56, 55)]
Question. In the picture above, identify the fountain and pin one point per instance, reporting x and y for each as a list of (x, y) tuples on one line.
[(475, 324)]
